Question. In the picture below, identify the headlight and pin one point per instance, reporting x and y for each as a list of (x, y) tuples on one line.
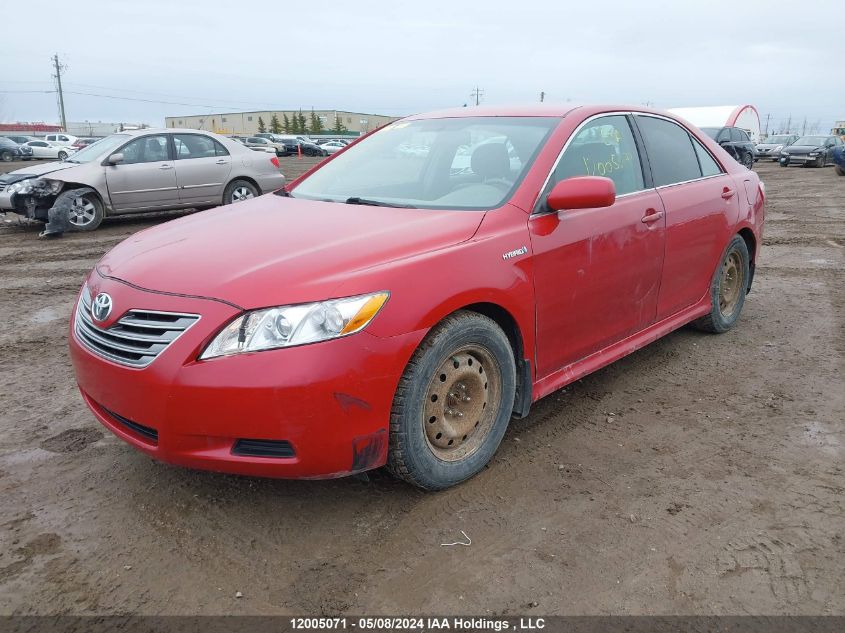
[(44, 186), (288, 326), (778, 148), (813, 154)]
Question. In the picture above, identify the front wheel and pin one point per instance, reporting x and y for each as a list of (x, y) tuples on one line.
[(840, 171), (820, 161), (453, 403), (239, 190), (727, 289), (7, 156), (82, 207), (748, 160)]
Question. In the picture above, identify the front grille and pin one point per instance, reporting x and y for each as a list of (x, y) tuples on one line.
[(136, 339), (263, 448), (146, 432)]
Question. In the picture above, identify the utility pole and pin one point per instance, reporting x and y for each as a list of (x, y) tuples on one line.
[(542, 96), (58, 77), (768, 116), (788, 129), (804, 127), (476, 94)]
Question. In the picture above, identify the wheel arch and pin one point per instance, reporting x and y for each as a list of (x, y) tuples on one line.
[(509, 325), (751, 243), (70, 186)]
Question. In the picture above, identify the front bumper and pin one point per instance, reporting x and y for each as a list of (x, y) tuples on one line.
[(798, 159), (330, 401)]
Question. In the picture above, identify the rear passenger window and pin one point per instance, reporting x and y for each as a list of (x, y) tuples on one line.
[(196, 146), (670, 151), (709, 167), (603, 147)]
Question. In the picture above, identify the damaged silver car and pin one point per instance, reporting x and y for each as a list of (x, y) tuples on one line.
[(138, 171)]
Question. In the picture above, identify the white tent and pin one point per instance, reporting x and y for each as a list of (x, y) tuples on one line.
[(741, 116)]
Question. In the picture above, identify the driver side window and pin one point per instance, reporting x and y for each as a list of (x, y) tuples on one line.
[(147, 149), (603, 147)]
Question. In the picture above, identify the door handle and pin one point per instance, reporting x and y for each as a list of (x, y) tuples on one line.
[(652, 216), (222, 161), (727, 194), (165, 166)]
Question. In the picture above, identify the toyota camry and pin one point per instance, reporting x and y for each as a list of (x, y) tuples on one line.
[(398, 309)]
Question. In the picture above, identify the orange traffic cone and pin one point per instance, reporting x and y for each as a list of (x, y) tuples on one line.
[(299, 151)]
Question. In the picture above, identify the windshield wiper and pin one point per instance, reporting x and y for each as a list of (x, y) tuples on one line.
[(377, 203)]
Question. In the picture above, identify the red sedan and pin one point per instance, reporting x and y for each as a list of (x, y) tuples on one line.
[(398, 304)]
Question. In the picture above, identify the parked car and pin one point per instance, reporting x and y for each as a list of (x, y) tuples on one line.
[(83, 142), (382, 311), (735, 141), (61, 139), (772, 146), (331, 147), (839, 159), (9, 150), (22, 140), (50, 149), (812, 150), (261, 144), (138, 171)]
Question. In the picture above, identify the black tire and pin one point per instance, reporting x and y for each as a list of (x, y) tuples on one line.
[(840, 171), (7, 156), (63, 155), (821, 161), (748, 160), (458, 340), (723, 317), (82, 207), (239, 190)]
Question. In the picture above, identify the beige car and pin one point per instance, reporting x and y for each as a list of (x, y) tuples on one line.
[(142, 170)]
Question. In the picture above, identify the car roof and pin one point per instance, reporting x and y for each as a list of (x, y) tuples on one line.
[(538, 110)]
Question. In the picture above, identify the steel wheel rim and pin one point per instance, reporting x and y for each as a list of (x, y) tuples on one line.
[(731, 284), (462, 402), (241, 193), (82, 212)]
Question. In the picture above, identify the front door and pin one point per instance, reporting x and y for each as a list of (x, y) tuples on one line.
[(146, 178), (596, 271), (202, 169)]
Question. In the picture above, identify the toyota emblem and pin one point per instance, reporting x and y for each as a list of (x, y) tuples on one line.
[(101, 308)]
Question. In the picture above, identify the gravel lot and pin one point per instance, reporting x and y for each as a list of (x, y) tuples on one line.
[(702, 474)]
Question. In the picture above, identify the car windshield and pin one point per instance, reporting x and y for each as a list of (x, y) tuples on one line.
[(455, 163), (98, 149), (777, 140), (811, 140), (712, 132)]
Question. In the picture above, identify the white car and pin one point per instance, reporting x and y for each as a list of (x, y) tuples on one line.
[(61, 139), (50, 149), (333, 146)]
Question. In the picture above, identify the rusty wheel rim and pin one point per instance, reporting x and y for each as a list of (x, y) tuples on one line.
[(731, 284), (462, 403)]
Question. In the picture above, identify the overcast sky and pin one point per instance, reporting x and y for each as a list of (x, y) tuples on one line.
[(399, 58)]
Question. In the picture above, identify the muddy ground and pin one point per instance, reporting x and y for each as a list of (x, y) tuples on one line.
[(703, 474)]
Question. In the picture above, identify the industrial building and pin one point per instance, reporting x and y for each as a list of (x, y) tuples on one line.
[(246, 123)]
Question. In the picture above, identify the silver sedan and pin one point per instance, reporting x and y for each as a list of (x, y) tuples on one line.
[(142, 170)]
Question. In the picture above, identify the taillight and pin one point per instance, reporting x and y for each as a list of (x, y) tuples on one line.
[(275, 162)]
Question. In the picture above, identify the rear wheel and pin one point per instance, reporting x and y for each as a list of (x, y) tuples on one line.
[(62, 155), (238, 191), (453, 403), (727, 289), (840, 171)]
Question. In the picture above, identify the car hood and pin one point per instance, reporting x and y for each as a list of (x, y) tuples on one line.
[(274, 250), (768, 145), (801, 149), (35, 171)]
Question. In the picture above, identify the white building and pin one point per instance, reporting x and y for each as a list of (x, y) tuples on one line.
[(741, 116)]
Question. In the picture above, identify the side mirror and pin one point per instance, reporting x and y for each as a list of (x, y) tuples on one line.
[(115, 159), (582, 192)]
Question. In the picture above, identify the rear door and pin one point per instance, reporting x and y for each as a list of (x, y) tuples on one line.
[(701, 202), (202, 168), (146, 178), (596, 271)]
